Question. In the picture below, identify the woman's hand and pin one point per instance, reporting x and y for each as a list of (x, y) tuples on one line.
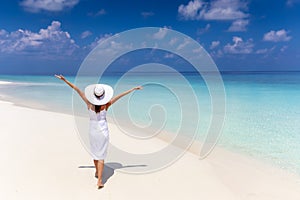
[(137, 88), (81, 94), (61, 77)]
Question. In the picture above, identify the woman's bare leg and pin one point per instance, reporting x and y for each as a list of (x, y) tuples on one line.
[(100, 166), (96, 167)]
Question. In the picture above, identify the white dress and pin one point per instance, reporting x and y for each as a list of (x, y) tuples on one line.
[(98, 134)]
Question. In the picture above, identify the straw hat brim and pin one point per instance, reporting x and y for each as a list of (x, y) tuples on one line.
[(91, 97)]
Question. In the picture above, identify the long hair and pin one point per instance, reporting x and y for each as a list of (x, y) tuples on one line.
[(97, 108)]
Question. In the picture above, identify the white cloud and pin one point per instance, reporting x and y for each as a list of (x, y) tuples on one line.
[(169, 55), (86, 34), (283, 48), (266, 51), (49, 41), (227, 10), (182, 45), (277, 36), (262, 51), (101, 12), (147, 14), (203, 30), (238, 25), (190, 11), (109, 46), (214, 10), (197, 50), (219, 53), (98, 40), (161, 33), (239, 46), (289, 2), (47, 5), (214, 44), (292, 2), (173, 41), (98, 13), (3, 32)]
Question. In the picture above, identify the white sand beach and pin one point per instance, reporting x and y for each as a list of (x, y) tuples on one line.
[(42, 158)]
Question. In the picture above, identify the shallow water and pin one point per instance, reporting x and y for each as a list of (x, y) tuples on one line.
[(262, 109)]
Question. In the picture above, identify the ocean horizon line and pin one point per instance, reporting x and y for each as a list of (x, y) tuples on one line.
[(164, 72)]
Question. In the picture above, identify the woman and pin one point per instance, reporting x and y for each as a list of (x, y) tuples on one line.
[(98, 98)]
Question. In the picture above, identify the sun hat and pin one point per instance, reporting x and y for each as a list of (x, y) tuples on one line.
[(98, 94)]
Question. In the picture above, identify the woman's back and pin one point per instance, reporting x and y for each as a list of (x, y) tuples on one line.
[(97, 116)]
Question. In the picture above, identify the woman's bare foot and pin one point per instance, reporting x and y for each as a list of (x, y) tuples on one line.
[(100, 184)]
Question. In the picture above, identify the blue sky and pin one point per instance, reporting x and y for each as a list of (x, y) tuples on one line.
[(54, 36)]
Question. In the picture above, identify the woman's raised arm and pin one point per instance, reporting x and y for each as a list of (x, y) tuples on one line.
[(116, 98), (81, 94)]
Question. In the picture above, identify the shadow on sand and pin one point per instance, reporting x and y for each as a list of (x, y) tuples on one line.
[(109, 169)]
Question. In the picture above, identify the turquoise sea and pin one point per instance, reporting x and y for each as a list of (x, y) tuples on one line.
[(262, 108)]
